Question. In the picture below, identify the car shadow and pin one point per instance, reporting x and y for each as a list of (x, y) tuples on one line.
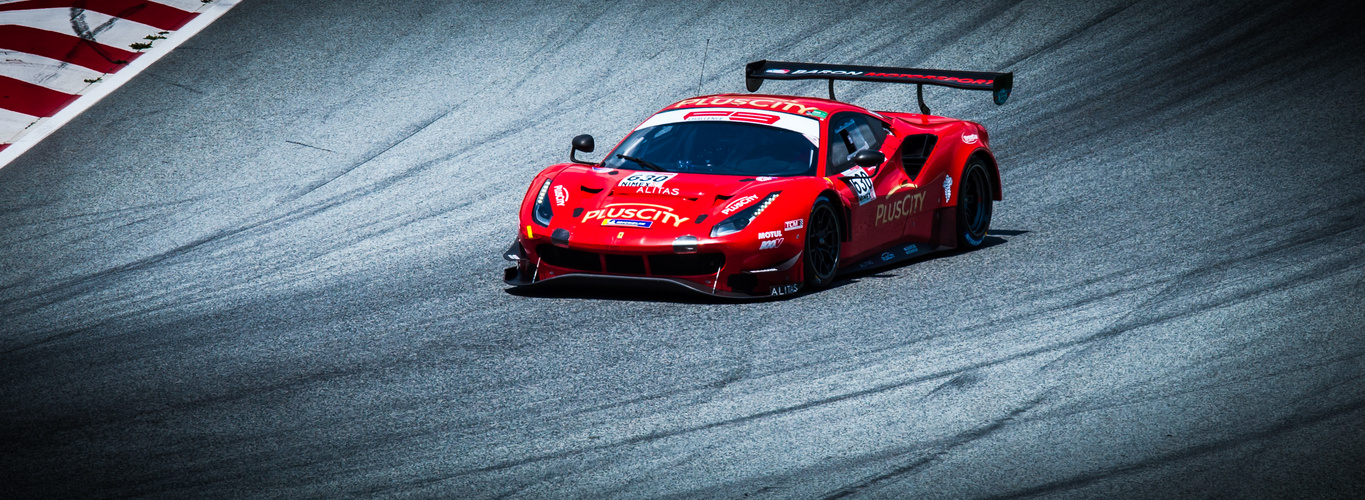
[(573, 287), (586, 287), (993, 238)]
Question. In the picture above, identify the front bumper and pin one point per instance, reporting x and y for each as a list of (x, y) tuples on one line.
[(716, 269)]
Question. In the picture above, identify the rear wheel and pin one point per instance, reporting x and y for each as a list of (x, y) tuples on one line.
[(973, 205), (821, 258)]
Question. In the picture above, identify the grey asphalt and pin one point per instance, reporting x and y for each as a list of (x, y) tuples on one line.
[(270, 266)]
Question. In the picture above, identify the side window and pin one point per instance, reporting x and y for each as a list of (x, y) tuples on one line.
[(915, 152), (850, 133)]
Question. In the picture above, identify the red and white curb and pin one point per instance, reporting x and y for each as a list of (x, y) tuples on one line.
[(59, 57)]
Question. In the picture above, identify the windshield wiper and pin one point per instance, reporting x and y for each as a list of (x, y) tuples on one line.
[(642, 162)]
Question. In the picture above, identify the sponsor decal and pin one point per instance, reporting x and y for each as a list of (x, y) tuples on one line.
[(761, 179), (738, 204), (656, 190), (933, 77), (646, 179), (865, 264), (784, 289), (816, 113), (601, 169), (779, 71), (636, 211), (969, 138), (947, 188), (628, 223), (561, 195), (826, 72), (860, 183), (738, 116), (909, 249), (909, 204), (769, 234), (793, 225), (528, 232), (770, 244), (620, 235), (762, 102), (887, 256)]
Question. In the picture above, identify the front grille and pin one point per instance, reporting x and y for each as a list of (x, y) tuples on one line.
[(572, 259), (659, 265), (686, 264), (741, 282), (625, 264)]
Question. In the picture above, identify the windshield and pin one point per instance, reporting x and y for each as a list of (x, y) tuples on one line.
[(716, 147)]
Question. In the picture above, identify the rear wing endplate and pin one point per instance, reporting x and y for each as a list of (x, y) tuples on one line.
[(999, 84)]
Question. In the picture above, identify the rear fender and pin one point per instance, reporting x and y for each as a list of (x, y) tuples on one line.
[(970, 142)]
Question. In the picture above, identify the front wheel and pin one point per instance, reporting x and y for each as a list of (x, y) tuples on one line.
[(973, 205), (821, 258)]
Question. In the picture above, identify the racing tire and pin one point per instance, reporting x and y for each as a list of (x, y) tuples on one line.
[(973, 205), (820, 260)]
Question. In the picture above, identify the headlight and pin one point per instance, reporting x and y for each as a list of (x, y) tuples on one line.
[(741, 220), (542, 211)]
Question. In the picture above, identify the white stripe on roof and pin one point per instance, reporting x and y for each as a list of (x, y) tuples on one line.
[(57, 75), (107, 30), (803, 125)]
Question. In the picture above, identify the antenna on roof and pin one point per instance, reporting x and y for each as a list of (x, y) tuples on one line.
[(831, 90), (703, 65)]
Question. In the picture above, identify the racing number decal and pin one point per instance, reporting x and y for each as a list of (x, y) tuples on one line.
[(860, 183), (646, 179)]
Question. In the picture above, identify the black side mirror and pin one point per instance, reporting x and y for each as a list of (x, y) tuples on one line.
[(581, 143), (869, 159)]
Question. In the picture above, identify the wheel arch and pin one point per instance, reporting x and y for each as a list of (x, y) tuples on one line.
[(992, 170), (845, 213), (964, 157)]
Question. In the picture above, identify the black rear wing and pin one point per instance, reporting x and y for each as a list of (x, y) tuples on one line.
[(999, 84)]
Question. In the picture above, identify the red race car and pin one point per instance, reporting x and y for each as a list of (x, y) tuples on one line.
[(757, 195)]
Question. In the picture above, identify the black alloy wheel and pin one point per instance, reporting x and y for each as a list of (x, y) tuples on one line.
[(973, 205), (822, 245)]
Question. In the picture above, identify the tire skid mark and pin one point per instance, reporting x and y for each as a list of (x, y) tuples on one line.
[(1348, 358), (1284, 426), (1066, 39), (81, 285), (941, 447), (878, 389), (1182, 297), (976, 329)]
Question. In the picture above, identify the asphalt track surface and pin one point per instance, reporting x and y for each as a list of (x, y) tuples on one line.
[(269, 266)]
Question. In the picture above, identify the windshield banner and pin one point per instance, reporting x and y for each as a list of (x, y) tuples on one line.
[(808, 127)]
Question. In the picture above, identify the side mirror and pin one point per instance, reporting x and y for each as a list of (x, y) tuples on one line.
[(869, 159), (581, 143)]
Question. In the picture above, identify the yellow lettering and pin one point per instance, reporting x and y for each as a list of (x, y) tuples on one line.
[(654, 213), (591, 215), (685, 102), (881, 212), (741, 102), (756, 102)]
